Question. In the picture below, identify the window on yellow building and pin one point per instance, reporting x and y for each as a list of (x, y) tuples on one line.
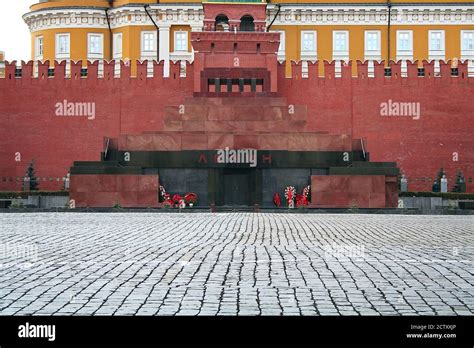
[(63, 51), (118, 45), (372, 45), (117, 53), (148, 50), (148, 41), (467, 41), (282, 47), (404, 47), (308, 45), (467, 50), (436, 46), (372, 41), (404, 41), (340, 41), (180, 40), (437, 40), (62, 46), (308, 41), (95, 50), (95, 45), (38, 54), (39, 48), (340, 45)]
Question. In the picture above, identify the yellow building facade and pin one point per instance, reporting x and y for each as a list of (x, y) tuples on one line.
[(2, 64), (310, 30)]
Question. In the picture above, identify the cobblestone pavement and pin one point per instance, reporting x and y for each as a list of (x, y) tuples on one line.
[(236, 263)]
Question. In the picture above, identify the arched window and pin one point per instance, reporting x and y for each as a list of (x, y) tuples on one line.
[(222, 23), (246, 23)]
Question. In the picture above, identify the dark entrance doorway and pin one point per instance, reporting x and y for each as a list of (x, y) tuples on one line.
[(237, 188)]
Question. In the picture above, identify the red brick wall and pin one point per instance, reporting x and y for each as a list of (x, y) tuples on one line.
[(420, 147), (29, 124), (343, 105), (104, 191), (361, 191)]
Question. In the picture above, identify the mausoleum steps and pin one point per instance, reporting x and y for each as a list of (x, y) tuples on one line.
[(192, 112), (176, 141)]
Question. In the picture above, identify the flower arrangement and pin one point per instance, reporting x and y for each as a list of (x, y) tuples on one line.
[(290, 193), (191, 199), (277, 199), (162, 193), (302, 200), (167, 200), (177, 201), (307, 192)]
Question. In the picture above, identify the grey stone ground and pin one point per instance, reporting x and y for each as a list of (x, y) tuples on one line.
[(236, 263)]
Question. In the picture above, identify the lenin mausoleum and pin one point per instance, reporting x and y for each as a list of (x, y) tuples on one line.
[(237, 100)]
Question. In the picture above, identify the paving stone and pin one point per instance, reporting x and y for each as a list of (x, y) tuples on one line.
[(236, 264)]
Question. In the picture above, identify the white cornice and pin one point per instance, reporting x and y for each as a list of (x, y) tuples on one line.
[(164, 15), (65, 18), (371, 15), (290, 14)]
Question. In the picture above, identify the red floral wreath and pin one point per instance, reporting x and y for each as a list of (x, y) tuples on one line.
[(191, 198)]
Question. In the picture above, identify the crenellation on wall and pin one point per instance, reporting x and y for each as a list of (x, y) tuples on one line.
[(362, 69), (329, 70), (91, 70), (142, 69), (295, 69), (379, 70), (412, 68), (346, 70), (429, 68), (332, 70), (396, 69)]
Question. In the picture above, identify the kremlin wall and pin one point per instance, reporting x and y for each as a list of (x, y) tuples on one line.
[(439, 136)]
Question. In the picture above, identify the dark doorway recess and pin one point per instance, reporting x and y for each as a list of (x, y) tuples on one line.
[(237, 188), (239, 184)]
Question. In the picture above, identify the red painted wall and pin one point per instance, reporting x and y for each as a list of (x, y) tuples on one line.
[(420, 147), (349, 105), (105, 190)]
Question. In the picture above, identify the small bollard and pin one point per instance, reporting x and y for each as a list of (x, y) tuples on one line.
[(403, 184), (444, 184)]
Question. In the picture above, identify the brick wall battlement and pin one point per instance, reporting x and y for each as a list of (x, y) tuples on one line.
[(327, 72)]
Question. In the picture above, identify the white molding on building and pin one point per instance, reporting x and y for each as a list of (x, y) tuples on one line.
[(180, 55), (119, 17), (290, 14), (314, 14)]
